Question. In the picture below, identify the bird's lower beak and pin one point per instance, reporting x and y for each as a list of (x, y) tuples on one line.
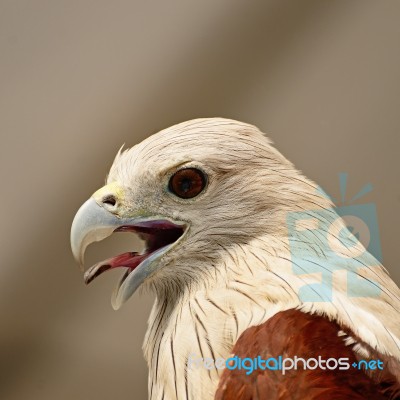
[(102, 215)]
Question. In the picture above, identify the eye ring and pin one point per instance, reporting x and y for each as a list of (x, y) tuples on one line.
[(187, 183)]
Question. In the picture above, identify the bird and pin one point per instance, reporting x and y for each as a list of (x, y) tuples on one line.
[(249, 262)]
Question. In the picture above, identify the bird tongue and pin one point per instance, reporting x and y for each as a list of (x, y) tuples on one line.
[(128, 260), (157, 234)]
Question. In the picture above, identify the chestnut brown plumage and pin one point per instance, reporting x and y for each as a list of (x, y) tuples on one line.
[(293, 333)]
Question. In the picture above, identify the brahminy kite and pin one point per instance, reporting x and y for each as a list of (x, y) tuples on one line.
[(262, 291)]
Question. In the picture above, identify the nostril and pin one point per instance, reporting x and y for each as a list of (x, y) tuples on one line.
[(109, 200)]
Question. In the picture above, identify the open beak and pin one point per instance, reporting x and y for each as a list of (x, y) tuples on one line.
[(99, 217)]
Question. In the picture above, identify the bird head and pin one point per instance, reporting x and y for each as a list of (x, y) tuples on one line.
[(190, 192)]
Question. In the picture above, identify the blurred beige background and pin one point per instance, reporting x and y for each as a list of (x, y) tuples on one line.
[(79, 78)]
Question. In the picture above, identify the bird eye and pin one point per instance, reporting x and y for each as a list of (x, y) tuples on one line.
[(187, 183)]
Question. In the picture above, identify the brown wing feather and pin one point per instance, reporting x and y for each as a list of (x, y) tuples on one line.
[(294, 333)]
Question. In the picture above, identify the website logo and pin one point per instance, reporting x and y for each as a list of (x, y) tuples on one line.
[(321, 245), (281, 364)]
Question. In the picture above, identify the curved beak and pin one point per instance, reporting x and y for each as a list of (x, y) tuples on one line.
[(92, 223), (99, 217)]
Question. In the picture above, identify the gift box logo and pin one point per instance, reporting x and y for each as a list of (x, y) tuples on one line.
[(322, 246)]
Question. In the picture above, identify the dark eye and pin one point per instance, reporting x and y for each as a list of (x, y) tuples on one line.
[(187, 183)]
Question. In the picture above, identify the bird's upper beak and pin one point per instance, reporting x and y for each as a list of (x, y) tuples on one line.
[(106, 212)]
